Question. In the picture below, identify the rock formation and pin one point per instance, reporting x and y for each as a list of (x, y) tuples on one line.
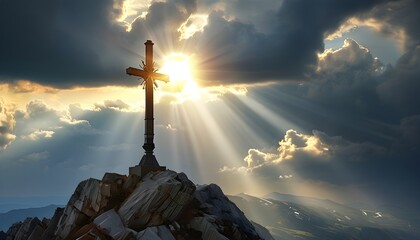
[(161, 205)]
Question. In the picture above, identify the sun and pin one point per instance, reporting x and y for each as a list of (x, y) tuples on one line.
[(181, 81)]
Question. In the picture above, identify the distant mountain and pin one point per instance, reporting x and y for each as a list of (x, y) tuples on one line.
[(310, 201), (293, 217), (12, 203), (10, 217)]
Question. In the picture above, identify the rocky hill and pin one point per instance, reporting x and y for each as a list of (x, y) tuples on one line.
[(161, 205)]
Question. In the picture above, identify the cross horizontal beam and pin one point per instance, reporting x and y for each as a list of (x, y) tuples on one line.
[(145, 74)]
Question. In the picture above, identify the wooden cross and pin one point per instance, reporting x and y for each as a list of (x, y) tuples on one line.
[(149, 74)]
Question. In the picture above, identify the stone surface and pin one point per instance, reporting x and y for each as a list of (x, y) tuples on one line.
[(262, 231), (91, 198), (113, 190), (158, 198), (114, 178), (89, 232), (11, 233), (207, 228), (52, 225), (36, 233), (110, 223), (155, 233), (27, 228), (143, 170), (214, 203), (3, 235), (83, 204)]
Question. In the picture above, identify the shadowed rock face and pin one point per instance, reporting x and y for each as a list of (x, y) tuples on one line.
[(161, 205), (30, 228)]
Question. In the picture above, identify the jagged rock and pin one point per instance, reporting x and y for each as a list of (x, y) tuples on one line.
[(113, 188), (11, 233), (158, 198), (45, 221), (52, 225), (131, 183), (114, 178), (3, 235), (155, 233), (85, 203), (207, 228), (36, 233), (110, 223), (27, 228), (88, 199), (262, 231), (89, 232), (228, 218)]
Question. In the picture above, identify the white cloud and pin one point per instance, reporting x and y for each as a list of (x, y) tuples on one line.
[(7, 123), (117, 104), (295, 142), (297, 146), (195, 23), (39, 134), (351, 56), (256, 158)]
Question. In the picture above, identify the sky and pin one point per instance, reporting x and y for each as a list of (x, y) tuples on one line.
[(312, 98)]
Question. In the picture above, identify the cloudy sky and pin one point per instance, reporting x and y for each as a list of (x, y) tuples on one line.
[(313, 98)]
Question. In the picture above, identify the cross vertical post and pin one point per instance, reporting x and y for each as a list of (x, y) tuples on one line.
[(148, 162), (149, 146)]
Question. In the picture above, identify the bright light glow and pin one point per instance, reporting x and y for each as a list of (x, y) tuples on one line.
[(195, 23), (178, 67)]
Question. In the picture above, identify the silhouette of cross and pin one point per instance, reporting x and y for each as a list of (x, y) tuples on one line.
[(149, 74)]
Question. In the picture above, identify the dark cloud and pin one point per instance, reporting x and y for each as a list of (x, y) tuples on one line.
[(407, 142), (245, 11), (347, 78), (236, 52), (64, 44), (79, 43), (55, 42), (401, 83), (395, 16), (410, 127)]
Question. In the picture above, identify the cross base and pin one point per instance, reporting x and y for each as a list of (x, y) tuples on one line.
[(141, 171), (147, 164)]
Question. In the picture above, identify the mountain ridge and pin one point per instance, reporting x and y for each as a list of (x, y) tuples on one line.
[(318, 220), (16, 215)]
